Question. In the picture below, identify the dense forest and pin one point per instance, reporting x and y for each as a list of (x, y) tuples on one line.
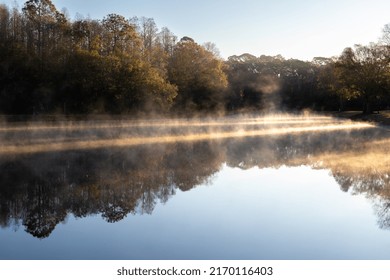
[(50, 64)]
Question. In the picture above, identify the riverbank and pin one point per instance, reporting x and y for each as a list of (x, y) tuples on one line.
[(380, 118)]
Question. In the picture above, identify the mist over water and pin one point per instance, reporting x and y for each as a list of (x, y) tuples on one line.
[(122, 171), (38, 138)]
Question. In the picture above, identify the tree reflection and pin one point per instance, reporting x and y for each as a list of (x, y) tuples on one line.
[(41, 190)]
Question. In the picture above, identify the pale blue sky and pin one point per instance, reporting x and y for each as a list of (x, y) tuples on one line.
[(295, 29)]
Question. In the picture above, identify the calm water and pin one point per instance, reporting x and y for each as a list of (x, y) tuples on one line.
[(234, 188)]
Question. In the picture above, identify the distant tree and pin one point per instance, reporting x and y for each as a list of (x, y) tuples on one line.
[(322, 61), (162, 50), (167, 40), (87, 35), (212, 47), (156, 46), (148, 33), (45, 22), (187, 39), (244, 82), (386, 34), (328, 81), (299, 85), (270, 83), (120, 36), (198, 75), (364, 73), (4, 24)]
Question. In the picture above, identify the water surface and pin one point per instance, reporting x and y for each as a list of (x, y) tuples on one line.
[(231, 188)]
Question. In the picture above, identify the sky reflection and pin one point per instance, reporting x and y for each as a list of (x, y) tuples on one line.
[(312, 195)]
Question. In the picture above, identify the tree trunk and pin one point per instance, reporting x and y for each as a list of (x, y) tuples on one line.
[(367, 108)]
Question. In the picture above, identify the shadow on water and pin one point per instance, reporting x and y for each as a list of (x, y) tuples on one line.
[(39, 190)]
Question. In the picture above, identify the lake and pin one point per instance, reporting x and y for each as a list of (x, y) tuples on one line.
[(248, 187)]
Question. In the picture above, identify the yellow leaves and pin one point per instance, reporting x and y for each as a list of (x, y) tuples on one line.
[(120, 36), (192, 65)]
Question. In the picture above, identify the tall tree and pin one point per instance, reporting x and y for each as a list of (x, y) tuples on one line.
[(199, 76), (4, 23), (364, 74), (44, 21), (386, 34), (120, 36), (167, 40), (148, 32), (87, 35)]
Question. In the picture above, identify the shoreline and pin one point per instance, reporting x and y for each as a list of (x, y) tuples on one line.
[(381, 118)]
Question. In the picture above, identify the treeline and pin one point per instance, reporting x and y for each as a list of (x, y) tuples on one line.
[(359, 79), (51, 64)]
